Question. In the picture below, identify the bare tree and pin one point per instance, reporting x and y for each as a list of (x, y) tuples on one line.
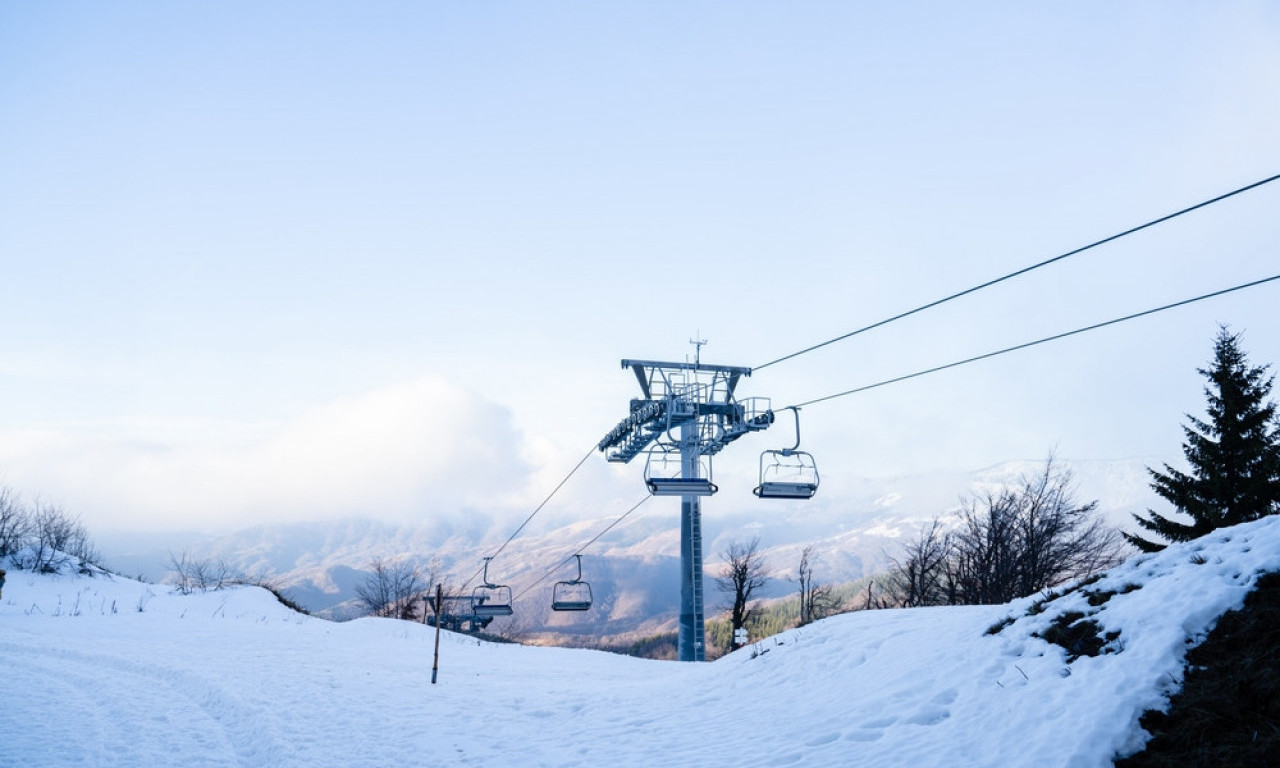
[(816, 599), (1061, 538), (744, 573), (920, 578), (984, 558), (15, 523), (872, 602), (1018, 541), (435, 574), (375, 591), (392, 590)]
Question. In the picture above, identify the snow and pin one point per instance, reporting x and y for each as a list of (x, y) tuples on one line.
[(105, 671)]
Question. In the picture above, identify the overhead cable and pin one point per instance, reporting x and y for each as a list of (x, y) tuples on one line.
[(1023, 271), (1055, 337), (581, 549), (532, 514)]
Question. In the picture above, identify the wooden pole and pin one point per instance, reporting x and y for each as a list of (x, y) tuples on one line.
[(435, 662)]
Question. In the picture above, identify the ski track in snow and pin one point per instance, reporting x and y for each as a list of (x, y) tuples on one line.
[(108, 672), (128, 704)]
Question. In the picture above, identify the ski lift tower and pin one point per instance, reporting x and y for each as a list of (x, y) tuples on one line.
[(686, 415)]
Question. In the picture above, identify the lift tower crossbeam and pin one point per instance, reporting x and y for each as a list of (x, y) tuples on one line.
[(687, 409)]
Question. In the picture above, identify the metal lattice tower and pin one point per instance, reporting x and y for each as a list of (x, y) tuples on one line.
[(688, 413)]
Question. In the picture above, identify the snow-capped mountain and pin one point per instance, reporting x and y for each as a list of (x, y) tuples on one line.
[(854, 527)]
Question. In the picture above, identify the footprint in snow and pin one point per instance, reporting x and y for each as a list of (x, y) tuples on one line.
[(788, 759), (929, 716), (820, 740), (863, 735), (946, 697)]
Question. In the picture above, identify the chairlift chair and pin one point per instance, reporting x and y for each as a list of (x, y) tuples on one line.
[(662, 474), (788, 473), (572, 595), (491, 599)]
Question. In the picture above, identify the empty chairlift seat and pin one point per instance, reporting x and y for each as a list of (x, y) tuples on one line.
[(491, 599), (663, 476), (788, 473), (573, 594), (681, 486), (792, 476)]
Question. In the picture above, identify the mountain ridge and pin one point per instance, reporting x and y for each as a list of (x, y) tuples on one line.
[(633, 567)]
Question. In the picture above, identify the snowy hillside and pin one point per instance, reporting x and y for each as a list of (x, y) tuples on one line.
[(105, 671)]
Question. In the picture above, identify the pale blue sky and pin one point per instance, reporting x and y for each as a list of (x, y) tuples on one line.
[(314, 259)]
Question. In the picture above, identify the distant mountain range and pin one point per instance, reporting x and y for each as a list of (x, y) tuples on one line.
[(633, 569)]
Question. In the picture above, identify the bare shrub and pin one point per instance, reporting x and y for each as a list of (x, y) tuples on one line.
[(56, 539), (200, 575), (393, 590), (1008, 543)]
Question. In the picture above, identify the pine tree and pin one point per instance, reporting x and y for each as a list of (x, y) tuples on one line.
[(1234, 456)]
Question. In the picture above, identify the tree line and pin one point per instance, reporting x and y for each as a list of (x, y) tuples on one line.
[(999, 545)]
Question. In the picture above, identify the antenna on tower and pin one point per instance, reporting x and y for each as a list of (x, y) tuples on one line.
[(697, 343)]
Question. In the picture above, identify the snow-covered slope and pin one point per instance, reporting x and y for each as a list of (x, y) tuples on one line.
[(105, 671)]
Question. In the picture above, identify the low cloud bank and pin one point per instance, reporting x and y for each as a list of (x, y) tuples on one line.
[(403, 452)]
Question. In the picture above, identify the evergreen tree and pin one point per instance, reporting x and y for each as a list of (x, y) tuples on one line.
[(1234, 456)]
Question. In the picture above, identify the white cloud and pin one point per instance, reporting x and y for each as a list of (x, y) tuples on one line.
[(404, 452)]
